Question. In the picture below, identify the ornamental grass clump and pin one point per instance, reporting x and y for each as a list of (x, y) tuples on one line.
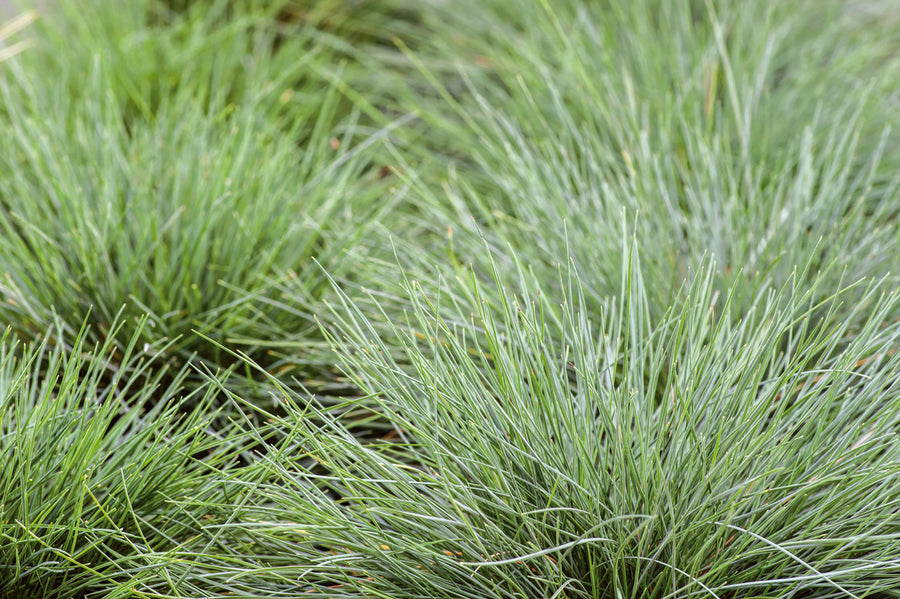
[(600, 454), (715, 127), (215, 52), (97, 469), (344, 299), (196, 211)]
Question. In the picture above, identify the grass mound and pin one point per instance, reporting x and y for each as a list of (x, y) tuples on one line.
[(598, 455), (461, 299)]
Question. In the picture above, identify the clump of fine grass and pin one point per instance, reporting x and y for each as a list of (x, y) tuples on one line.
[(195, 211), (602, 454), (532, 411), (217, 53), (280, 53), (713, 126), (97, 468)]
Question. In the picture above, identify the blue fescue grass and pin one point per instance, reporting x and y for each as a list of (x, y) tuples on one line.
[(714, 128), (10, 41), (601, 455), (97, 467), (196, 210), (605, 296)]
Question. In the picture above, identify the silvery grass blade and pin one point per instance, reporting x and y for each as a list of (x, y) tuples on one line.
[(9, 29)]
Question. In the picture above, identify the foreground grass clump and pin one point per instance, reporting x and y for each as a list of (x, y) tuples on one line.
[(96, 470), (600, 455)]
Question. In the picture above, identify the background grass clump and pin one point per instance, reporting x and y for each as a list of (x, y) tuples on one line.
[(713, 127), (192, 211), (460, 299)]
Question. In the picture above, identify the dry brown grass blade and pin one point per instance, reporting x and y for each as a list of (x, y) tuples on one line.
[(13, 27)]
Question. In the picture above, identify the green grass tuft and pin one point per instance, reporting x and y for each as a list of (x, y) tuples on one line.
[(97, 471), (457, 299), (600, 456), (198, 211)]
